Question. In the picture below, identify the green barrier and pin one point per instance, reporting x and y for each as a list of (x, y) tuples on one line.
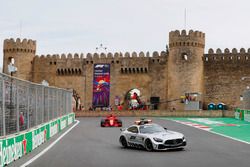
[(239, 114), (242, 115), (247, 115), (15, 146)]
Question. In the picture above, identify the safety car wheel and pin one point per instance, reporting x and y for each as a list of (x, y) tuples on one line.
[(123, 142), (149, 145)]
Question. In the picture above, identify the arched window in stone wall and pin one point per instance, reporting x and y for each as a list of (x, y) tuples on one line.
[(80, 71), (58, 72), (146, 70), (62, 72), (65, 71), (137, 69), (126, 70), (129, 70), (121, 70)]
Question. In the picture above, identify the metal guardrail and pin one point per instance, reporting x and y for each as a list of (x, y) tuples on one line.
[(24, 104)]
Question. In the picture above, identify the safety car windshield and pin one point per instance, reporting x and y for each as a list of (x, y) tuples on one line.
[(151, 129)]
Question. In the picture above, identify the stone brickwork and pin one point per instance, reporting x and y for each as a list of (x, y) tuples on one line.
[(23, 53), (168, 74), (185, 64), (223, 76)]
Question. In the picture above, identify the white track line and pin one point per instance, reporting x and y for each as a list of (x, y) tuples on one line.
[(49, 147), (180, 122)]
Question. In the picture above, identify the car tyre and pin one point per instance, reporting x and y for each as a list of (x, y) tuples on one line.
[(149, 145), (102, 122), (119, 122), (123, 142)]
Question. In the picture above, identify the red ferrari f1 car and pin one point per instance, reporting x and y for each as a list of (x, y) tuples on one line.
[(111, 121)]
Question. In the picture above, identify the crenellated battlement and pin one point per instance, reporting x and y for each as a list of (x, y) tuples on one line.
[(18, 45), (227, 51), (220, 56), (192, 38), (96, 56), (184, 34), (182, 67)]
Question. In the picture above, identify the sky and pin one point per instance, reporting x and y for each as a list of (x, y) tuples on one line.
[(79, 26)]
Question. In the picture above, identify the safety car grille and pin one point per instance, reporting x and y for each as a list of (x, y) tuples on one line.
[(173, 142)]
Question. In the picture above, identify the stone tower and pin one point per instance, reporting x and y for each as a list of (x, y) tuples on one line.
[(185, 65), (23, 53)]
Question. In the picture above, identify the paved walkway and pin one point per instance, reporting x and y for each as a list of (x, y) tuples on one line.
[(228, 127)]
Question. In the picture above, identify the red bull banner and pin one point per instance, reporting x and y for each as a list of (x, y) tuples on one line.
[(101, 85)]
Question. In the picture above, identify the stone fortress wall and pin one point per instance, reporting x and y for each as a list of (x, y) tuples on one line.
[(223, 75), (185, 64), (168, 74)]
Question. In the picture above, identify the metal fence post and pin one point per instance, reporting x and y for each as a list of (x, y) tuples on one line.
[(28, 108), (3, 105), (48, 104), (43, 104), (17, 107), (66, 105), (57, 103), (36, 106)]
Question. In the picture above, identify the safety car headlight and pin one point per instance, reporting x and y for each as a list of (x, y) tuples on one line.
[(183, 138), (157, 139)]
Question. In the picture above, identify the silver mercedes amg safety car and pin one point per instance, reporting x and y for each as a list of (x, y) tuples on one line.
[(151, 136)]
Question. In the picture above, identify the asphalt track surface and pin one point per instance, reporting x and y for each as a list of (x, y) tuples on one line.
[(89, 145)]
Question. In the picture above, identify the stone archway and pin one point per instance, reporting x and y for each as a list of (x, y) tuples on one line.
[(132, 100)]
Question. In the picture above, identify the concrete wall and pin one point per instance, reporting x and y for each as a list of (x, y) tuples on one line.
[(152, 113)]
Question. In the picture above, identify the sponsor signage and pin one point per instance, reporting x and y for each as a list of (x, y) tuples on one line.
[(15, 146), (101, 85)]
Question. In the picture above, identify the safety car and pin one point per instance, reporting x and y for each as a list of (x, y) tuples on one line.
[(151, 136)]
